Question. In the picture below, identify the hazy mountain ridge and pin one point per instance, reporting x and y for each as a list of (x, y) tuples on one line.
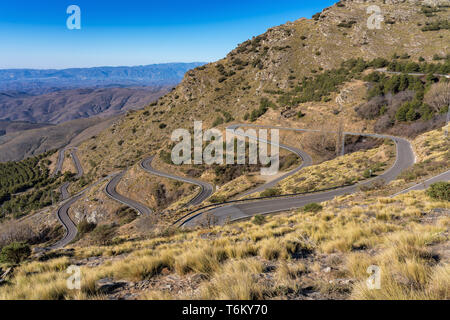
[(51, 79)]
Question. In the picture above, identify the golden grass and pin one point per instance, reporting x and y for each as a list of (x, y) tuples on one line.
[(231, 256), (337, 172), (237, 280)]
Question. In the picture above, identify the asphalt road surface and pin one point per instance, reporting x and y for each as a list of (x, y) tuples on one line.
[(69, 226), (405, 158), (64, 191), (110, 190), (206, 191), (64, 218), (60, 162)]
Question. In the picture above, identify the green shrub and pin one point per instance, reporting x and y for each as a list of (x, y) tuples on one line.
[(217, 199), (102, 235), (126, 215), (85, 227), (166, 156), (264, 105), (439, 191), (218, 121), (228, 117), (259, 219), (15, 252), (436, 25), (312, 207), (367, 174), (272, 192), (300, 114), (348, 24)]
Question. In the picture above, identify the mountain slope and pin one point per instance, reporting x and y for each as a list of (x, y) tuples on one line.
[(19, 145), (66, 105), (276, 61), (14, 126)]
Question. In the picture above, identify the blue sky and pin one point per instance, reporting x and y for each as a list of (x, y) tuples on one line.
[(33, 34)]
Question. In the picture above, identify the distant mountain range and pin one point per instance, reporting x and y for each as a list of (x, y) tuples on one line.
[(45, 109), (44, 81)]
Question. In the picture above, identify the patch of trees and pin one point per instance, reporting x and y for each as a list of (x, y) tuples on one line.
[(346, 24), (430, 11), (227, 117), (436, 25), (320, 86), (227, 173), (422, 67), (224, 74), (398, 98), (25, 185), (15, 253)]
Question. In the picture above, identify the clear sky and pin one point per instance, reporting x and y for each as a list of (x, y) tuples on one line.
[(33, 34)]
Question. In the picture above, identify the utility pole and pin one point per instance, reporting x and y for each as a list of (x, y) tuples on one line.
[(340, 137), (448, 120)]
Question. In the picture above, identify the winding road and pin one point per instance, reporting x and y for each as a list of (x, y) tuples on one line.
[(110, 190), (306, 161), (69, 226), (233, 212), (206, 191), (63, 211)]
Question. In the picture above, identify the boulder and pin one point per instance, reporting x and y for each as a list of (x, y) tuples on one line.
[(108, 285)]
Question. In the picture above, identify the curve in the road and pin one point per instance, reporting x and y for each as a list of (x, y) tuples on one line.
[(405, 158), (306, 162), (69, 226), (206, 191), (111, 191)]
